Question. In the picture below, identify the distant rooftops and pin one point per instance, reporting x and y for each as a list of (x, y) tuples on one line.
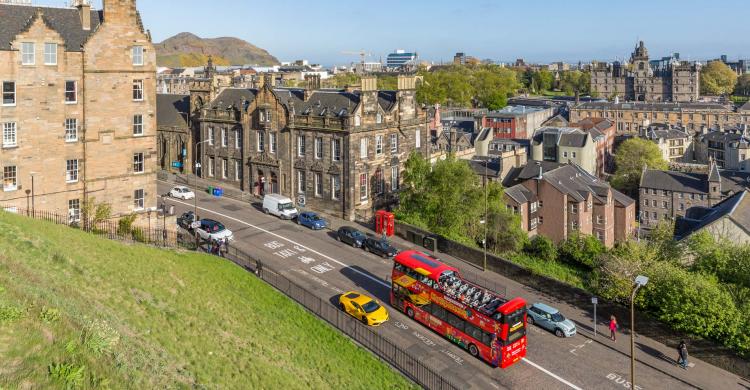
[(653, 106), (514, 111)]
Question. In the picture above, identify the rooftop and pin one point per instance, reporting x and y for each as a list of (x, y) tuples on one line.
[(515, 111), (653, 106), (171, 110), (736, 208)]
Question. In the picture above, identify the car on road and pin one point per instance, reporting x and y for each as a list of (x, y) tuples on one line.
[(312, 220), (185, 220), (280, 206), (351, 236), (182, 192), (363, 308), (380, 247), (549, 318), (211, 230)]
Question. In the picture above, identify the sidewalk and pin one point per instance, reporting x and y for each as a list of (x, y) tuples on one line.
[(648, 351)]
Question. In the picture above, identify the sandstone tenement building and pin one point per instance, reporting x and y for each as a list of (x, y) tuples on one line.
[(78, 107), (341, 152), (678, 81)]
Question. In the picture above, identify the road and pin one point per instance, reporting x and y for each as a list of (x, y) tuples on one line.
[(317, 261)]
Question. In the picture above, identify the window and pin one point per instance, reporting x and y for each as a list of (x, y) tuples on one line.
[(27, 53), (237, 139), (574, 225), (318, 148), (74, 210), (10, 179), (565, 154), (664, 204), (541, 204), (224, 138), (541, 220), (9, 93), (363, 186), (50, 54), (318, 184), (335, 187), (224, 168), (664, 193), (654, 203), (138, 202), (378, 145), (363, 148), (599, 219), (10, 135), (682, 206), (692, 196), (137, 52), (336, 150), (654, 215), (357, 120), (210, 135), (379, 118), (300, 146), (417, 139), (702, 196), (600, 236), (680, 195), (71, 130), (574, 208), (71, 171), (211, 166), (137, 125), (261, 141), (71, 92), (138, 165), (301, 182), (237, 171), (379, 182), (272, 142), (138, 90), (653, 191), (394, 178)]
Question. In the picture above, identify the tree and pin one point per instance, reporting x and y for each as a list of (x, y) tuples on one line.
[(542, 80), (630, 158), (94, 213), (486, 86), (743, 85), (541, 248), (717, 79), (581, 250), (414, 195), (576, 83)]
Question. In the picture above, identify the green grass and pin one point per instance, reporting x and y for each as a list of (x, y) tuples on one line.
[(553, 269), (78, 311)]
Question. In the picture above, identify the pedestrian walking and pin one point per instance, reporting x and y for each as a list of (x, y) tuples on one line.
[(682, 352), (613, 328)]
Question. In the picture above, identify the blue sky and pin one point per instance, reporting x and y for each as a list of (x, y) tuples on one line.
[(539, 31)]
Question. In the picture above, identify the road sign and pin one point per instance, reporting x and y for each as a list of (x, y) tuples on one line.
[(176, 164), (301, 201), (594, 300)]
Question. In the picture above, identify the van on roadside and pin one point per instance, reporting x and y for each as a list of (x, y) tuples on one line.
[(280, 206)]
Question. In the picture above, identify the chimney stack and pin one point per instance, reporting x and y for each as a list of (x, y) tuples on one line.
[(84, 10), (312, 84)]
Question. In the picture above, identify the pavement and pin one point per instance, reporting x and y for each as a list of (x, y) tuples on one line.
[(326, 267)]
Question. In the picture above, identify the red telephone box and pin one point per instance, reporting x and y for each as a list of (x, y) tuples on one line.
[(385, 223)]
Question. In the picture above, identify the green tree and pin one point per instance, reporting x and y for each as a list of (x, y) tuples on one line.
[(576, 83), (414, 195), (661, 241), (743, 85), (717, 79), (541, 248), (630, 158), (468, 86), (581, 250), (542, 80), (342, 80)]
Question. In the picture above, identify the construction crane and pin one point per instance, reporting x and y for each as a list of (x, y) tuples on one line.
[(362, 55)]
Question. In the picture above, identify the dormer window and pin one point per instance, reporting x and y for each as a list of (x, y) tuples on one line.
[(379, 118)]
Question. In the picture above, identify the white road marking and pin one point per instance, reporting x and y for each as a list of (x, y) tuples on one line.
[(550, 373)]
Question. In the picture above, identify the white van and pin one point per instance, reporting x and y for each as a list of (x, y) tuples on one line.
[(279, 205)]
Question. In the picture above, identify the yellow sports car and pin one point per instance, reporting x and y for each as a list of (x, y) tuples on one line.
[(363, 308)]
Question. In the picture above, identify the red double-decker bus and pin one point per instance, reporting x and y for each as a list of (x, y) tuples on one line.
[(484, 323)]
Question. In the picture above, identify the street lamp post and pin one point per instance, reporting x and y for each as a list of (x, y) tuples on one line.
[(28, 192), (486, 221), (195, 173), (640, 281)]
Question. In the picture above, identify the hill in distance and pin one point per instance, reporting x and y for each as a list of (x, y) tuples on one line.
[(186, 49)]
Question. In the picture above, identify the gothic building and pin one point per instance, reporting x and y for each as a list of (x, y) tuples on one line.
[(340, 152), (677, 81)]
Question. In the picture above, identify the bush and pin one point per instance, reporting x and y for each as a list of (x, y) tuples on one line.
[(125, 224), (49, 315), (10, 313), (69, 374), (581, 250), (541, 248), (100, 337)]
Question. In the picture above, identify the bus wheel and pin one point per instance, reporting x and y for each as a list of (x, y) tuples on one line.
[(410, 312), (473, 350)]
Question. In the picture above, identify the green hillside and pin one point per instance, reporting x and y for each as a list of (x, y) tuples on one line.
[(186, 60), (78, 311)]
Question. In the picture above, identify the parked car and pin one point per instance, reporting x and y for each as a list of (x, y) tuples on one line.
[(311, 220), (182, 192), (551, 319), (185, 220), (280, 206), (380, 247), (351, 236), (213, 230), (363, 308)]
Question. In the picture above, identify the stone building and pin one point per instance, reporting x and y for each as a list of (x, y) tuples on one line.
[(675, 144), (730, 148), (174, 136), (78, 107), (678, 81), (589, 145), (341, 152), (631, 118), (728, 220), (568, 200)]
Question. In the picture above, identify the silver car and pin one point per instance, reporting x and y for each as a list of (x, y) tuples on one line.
[(550, 318)]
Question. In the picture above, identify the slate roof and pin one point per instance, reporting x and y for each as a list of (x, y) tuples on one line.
[(169, 109), (66, 21), (529, 171), (493, 166), (666, 133), (520, 194), (575, 139), (721, 136), (577, 183), (652, 106), (736, 208), (697, 183), (745, 107), (566, 136)]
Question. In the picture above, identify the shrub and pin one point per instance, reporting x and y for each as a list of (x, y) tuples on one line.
[(139, 235), (9, 313), (100, 337), (125, 225), (581, 250), (541, 248), (69, 374)]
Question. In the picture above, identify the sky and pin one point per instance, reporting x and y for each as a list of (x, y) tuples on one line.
[(501, 30)]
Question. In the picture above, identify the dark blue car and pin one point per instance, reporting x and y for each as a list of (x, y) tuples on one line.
[(311, 220)]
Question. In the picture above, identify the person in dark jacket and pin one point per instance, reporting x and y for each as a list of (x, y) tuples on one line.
[(682, 352)]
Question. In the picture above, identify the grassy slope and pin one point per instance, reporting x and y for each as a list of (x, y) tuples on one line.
[(160, 319)]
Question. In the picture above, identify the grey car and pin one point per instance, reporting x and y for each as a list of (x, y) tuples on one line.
[(550, 318)]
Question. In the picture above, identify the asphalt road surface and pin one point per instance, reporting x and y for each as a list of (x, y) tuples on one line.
[(317, 261)]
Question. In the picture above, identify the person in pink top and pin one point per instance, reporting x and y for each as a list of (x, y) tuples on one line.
[(613, 328)]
